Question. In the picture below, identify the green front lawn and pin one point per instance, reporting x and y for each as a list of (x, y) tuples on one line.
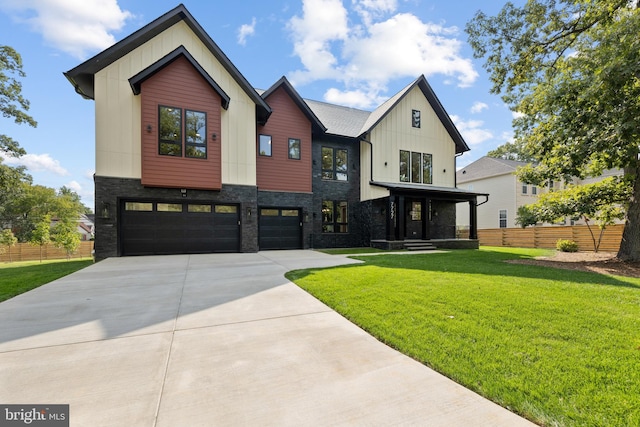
[(559, 347), (20, 277)]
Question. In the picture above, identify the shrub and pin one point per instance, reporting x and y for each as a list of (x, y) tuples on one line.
[(567, 246)]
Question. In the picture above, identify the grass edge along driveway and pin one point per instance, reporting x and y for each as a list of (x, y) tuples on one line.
[(19, 277), (559, 347)]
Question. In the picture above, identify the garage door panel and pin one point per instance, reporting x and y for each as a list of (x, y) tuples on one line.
[(178, 229), (280, 228)]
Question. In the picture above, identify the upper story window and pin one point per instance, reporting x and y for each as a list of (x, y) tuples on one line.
[(264, 145), (334, 163), (170, 131), (415, 118), (416, 167), (534, 190), (524, 188), (294, 148), (196, 134)]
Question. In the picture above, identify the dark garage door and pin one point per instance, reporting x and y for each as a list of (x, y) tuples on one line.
[(280, 228), (159, 228)]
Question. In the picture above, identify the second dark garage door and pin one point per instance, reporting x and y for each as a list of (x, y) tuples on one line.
[(280, 228), (155, 228)]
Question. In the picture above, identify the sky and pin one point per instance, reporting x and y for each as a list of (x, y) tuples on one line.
[(356, 53)]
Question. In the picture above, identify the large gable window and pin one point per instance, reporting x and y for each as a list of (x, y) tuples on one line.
[(196, 130), (416, 167), (170, 131)]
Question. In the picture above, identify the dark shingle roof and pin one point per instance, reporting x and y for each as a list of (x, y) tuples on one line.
[(339, 120)]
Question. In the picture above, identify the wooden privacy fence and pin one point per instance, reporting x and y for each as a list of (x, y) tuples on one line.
[(546, 237), (27, 252)]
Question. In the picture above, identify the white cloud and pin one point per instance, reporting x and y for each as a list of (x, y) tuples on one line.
[(245, 31), (472, 131), (352, 98), (78, 27), (517, 115), (323, 22), (477, 107), (37, 163), (365, 56)]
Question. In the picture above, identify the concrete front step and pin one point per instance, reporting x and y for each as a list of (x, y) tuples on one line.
[(419, 246)]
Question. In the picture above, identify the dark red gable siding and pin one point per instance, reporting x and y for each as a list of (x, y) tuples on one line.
[(279, 172), (180, 85)]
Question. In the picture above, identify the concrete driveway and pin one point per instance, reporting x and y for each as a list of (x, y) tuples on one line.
[(214, 340)]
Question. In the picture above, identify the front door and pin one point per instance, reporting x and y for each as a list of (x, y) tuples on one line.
[(415, 220)]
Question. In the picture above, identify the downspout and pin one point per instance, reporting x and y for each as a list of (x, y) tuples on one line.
[(455, 169), (370, 158)]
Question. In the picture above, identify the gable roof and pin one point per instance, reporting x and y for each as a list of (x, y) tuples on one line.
[(486, 167), (137, 80), (295, 96), (421, 82), (354, 123), (82, 76)]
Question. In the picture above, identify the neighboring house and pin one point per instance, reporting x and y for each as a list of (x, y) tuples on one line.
[(86, 227), (190, 158), (497, 177)]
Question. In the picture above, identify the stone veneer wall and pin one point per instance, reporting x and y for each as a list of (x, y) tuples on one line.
[(112, 190), (349, 190), (278, 199)]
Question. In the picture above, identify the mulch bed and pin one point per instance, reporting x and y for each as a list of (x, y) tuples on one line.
[(602, 262)]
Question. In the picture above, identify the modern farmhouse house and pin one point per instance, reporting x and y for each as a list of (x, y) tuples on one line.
[(191, 158)]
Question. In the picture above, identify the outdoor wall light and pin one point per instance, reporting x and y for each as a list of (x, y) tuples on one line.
[(214, 136), (106, 210), (183, 191), (149, 128), (249, 211)]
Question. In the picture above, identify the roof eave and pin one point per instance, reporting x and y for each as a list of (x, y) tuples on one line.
[(82, 76), (297, 99)]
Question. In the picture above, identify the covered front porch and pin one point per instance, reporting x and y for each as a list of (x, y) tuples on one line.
[(417, 216)]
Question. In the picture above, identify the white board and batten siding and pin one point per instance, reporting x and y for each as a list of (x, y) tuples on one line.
[(395, 133), (118, 111)]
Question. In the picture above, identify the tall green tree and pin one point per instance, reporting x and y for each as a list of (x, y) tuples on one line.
[(12, 103), (572, 69), (512, 151)]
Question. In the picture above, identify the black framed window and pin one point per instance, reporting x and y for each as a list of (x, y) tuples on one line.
[(427, 168), (335, 216), (170, 131), (415, 118), (264, 145), (294, 148), (416, 167), (196, 134), (405, 174), (335, 164)]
